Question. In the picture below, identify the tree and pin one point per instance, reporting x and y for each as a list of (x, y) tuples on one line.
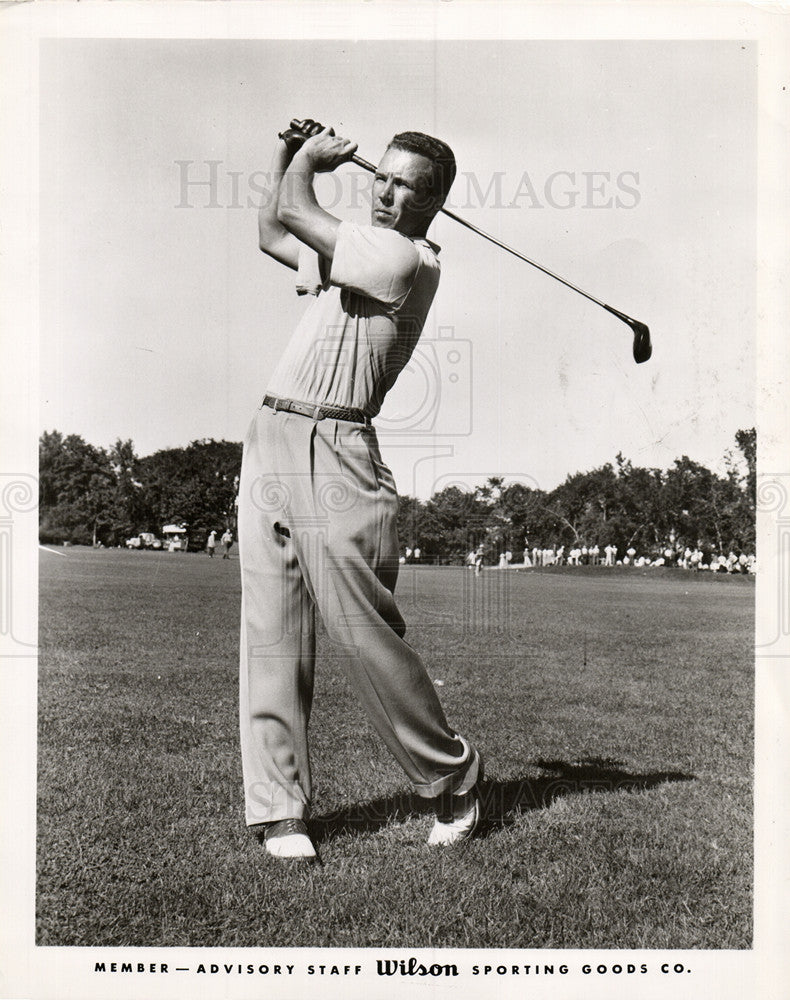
[(584, 504), (196, 486), (747, 443), (76, 485), (411, 523), (498, 516), (524, 510), (743, 478), (91, 495), (127, 508), (456, 522)]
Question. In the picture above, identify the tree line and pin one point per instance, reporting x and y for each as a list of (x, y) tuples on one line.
[(92, 496)]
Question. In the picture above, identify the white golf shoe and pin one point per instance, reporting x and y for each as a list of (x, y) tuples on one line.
[(288, 838), (459, 815), (458, 823)]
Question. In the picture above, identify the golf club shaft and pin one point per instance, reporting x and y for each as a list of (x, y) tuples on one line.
[(503, 246)]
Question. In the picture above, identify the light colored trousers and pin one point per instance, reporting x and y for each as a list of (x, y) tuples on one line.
[(317, 529)]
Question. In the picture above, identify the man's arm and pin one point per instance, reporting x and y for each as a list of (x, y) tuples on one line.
[(298, 211), (273, 238)]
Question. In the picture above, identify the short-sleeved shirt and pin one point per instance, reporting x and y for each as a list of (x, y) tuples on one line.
[(360, 331)]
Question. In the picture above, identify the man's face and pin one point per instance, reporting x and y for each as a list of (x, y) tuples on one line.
[(401, 193)]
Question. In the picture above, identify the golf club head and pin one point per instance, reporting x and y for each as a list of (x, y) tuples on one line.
[(643, 348)]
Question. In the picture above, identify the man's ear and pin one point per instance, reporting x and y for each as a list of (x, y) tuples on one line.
[(433, 203)]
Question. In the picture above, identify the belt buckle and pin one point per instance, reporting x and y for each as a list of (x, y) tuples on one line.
[(318, 413), (276, 405)]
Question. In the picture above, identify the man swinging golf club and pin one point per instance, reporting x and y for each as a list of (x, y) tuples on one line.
[(318, 507)]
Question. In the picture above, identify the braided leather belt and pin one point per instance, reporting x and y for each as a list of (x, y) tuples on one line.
[(316, 412)]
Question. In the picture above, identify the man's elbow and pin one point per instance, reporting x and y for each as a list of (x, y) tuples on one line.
[(268, 240)]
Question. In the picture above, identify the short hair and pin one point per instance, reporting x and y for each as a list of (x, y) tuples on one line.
[(438, 152)]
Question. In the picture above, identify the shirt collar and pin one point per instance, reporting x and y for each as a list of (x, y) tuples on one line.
[(424, 239)]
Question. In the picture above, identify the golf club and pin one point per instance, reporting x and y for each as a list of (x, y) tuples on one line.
[(642, 347)]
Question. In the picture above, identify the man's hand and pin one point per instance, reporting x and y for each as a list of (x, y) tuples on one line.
[(299, 130), (324, 152)]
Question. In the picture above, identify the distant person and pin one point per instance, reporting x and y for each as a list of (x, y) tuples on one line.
[(479, 560), (227, 542), (417, 554), (211, 544)]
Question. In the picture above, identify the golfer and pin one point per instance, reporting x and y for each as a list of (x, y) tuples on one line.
[(318, 506)]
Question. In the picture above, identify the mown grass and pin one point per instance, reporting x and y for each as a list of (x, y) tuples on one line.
[(614, 709)]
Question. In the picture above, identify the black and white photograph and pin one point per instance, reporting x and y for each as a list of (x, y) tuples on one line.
[(395, 500)]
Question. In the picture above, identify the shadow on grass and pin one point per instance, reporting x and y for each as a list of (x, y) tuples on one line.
[(502, 801)]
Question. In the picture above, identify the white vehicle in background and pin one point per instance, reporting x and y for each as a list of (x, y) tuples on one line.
[(175, 536), (145, 540)]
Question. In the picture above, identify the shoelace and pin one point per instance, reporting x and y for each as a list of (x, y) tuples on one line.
[(284, 827), (454, 807)]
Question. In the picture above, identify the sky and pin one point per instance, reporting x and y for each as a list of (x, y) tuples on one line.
[(629, 168)]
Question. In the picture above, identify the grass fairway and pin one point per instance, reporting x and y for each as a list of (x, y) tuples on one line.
[(613, 707)]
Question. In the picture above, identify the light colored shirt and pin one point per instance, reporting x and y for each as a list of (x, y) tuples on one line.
[(360, 331)]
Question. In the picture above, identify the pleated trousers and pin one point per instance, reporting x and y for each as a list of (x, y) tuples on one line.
[(317, 532)]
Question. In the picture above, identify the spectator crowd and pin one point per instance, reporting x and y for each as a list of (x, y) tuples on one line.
[(698, 558)]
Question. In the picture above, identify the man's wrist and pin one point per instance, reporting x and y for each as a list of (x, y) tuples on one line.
[(283, 155), (302, 162)]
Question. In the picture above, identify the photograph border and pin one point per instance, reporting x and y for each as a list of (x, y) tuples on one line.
[(30, 971)]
